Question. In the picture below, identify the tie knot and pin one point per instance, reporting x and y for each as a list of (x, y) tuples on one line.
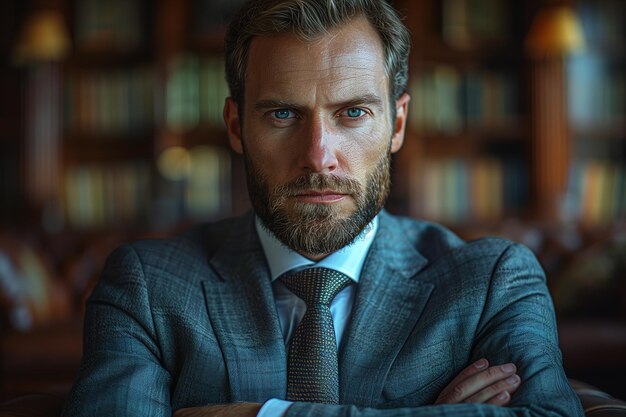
[(316, 285)]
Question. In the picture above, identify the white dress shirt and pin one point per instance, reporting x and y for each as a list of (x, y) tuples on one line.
[(280, 259)]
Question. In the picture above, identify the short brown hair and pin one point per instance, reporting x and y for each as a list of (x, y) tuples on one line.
[(309, 19)]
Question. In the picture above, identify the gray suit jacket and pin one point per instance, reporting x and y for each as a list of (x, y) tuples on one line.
[(192, 321)]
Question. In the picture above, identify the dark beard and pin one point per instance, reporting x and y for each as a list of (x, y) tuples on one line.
[(317, 229)]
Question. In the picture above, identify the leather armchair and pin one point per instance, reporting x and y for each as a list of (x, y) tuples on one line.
[(596, 403)]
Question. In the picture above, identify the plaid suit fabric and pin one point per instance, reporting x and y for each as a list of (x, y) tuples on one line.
[(193, 321)]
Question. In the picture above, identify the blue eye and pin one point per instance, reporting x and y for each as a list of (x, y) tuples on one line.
[(354, 112), (282, 114)]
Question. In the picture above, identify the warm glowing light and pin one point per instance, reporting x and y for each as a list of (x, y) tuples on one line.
[(555, 31), (44, 37), (174, 163)]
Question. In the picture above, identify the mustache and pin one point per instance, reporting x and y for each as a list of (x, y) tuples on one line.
[(318, 182)]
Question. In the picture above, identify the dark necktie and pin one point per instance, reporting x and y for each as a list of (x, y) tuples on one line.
[(312, 368)]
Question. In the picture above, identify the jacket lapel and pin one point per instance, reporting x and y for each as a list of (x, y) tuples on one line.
[(389, 301), (243, 314)]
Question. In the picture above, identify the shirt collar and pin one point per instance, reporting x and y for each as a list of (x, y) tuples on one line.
[(348, 260)]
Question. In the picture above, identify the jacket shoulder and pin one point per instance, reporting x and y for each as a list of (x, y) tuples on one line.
[(184, 256), (201, 240), (433, 240)]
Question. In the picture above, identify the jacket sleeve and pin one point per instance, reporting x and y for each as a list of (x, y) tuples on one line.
[(121, 373), (517, 325)]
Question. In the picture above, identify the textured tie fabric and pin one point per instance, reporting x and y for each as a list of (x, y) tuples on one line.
[(312, 368)]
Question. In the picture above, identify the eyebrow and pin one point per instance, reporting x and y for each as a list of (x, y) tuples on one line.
[(366, 99), (275, 104)]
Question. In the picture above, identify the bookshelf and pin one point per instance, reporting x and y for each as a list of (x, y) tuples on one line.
[(465, 161), (108, 94), (597, 111), (193, 90), (143, 92), (143, 81), (550, 135)]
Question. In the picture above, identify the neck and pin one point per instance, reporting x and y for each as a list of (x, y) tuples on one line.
[(313, 257)]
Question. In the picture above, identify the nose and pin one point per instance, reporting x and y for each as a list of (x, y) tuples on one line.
[(318, 148)]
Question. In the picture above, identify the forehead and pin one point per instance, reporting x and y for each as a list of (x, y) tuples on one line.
[(345, 60)]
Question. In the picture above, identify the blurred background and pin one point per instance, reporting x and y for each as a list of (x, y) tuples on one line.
[(111, 131)]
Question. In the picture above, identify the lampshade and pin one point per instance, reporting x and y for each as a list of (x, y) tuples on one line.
[(555, 31), (44, 37)]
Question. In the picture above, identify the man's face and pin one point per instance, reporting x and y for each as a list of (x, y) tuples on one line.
[(317, 135)]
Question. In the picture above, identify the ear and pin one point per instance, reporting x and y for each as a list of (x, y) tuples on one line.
[(233, 125), (402, 107)]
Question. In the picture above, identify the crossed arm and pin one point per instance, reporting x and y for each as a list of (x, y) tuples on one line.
[(517, 324), (478, 383)]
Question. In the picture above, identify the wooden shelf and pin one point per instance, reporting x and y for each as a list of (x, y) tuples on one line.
[(211, 43), (109, 58), (433, 49), (90, 148), (500, 133), (206, 135), (601, 132)]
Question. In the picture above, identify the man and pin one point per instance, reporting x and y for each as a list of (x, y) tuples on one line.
[(209, 324)]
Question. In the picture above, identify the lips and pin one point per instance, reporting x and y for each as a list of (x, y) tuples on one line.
[(320, 197)]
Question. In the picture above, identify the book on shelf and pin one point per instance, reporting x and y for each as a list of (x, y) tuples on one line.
[(597, 191), (469, 23), (195, 92), (214, 90), (456, 190), (117, 102), (194, 184), (208, 186), (99, 195), (516, 188), (597, 92), (490, 99), (447, 94), (182, 94), (603, 23), (487, 201), (109, 24), (436, 100), (446, 100)]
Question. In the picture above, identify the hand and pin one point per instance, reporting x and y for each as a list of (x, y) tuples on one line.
[(222, 410), (481, 383)]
